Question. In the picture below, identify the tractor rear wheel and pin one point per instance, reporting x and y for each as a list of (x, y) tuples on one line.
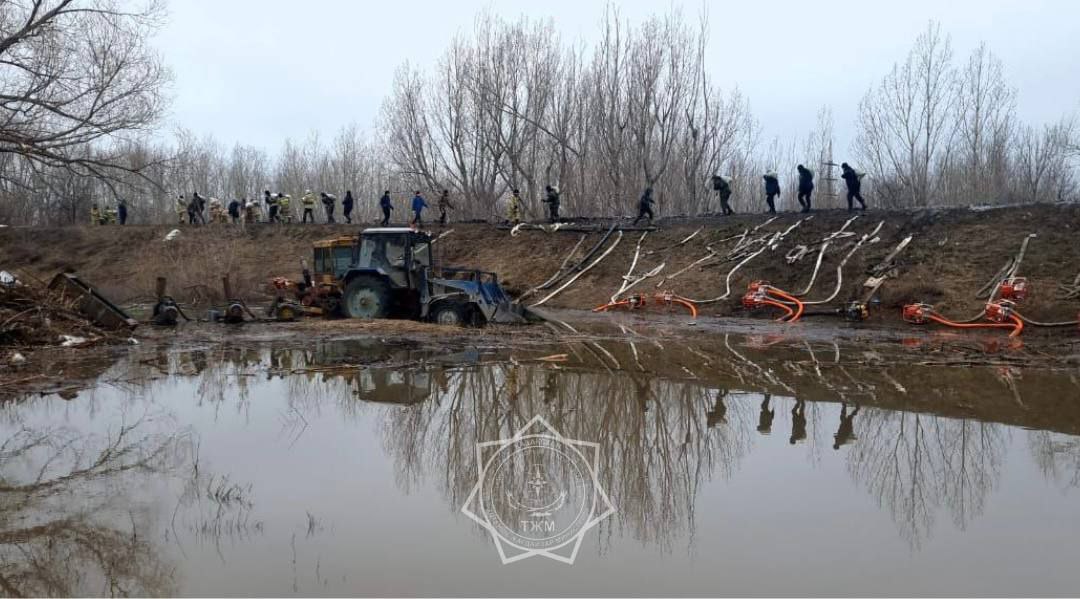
[(367, 297), (450, 313)]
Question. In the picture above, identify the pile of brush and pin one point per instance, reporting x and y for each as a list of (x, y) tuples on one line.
[(31, 315)]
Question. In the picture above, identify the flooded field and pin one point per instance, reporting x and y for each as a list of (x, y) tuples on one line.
[(737, 464)]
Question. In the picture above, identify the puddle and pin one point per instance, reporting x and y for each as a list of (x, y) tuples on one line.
[(738, 465)]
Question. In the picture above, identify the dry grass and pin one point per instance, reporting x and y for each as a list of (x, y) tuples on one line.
[(952, 254)]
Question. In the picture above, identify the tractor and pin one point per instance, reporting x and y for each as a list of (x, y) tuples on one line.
[(390, 272)]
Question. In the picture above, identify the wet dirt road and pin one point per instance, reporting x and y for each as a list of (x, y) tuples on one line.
[(738, 463)]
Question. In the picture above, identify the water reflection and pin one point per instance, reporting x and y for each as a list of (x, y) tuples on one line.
[(662, 438), (916, 464), (70, 524), (1058, 457), (671, 420), (766, 416), (798, 422), (846, 433)]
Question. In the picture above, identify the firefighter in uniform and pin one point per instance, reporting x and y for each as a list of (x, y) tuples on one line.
[(308, 200), (284, 210)]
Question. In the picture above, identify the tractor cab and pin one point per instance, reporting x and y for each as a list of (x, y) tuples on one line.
[(332, 258), (398, 253)]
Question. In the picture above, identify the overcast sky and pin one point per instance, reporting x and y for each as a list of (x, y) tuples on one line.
[(259, 71)]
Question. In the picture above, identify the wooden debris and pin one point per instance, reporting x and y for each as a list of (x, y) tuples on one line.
[(989, 290)]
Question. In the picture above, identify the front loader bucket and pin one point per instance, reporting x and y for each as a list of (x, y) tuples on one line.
[(513, 313)]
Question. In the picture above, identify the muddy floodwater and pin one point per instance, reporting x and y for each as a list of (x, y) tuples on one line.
[(737, 465)]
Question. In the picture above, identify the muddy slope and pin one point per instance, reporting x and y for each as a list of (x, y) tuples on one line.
[(953, 253)]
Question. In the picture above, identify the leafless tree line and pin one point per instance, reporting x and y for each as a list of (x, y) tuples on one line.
[(509, 105), (934, 132), (513, 106)]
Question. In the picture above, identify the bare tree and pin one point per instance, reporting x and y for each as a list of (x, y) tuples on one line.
[(248, 172), (905, 123), (76, 74), (985, 121), (1044, 170), (511, 107)]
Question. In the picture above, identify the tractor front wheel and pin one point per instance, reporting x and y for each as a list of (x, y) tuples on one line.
[(450, 313), (367, 297)]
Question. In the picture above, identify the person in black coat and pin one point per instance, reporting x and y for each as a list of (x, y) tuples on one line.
[(645, 206), (121, 211), (854, 187), (328, 200), (272, 207), (387, 206), (347, 206), (552, 200), (806, 187), (722, 186), (772, 189), (234, 211), (195, 209)]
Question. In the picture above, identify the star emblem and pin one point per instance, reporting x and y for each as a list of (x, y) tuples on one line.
[(537, 493)]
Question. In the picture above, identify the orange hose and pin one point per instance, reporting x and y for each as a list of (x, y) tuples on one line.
[(1019, 326), (788, 309), (689, 305), (799, 307), (686, 304), (977, 325), (606, 307)]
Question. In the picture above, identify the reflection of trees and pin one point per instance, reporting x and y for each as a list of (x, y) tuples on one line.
[(1057, 456), (664, 424), (914, 464), (66, 525), (656, 445)]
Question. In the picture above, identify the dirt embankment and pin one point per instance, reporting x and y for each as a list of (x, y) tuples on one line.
[(953, 253)]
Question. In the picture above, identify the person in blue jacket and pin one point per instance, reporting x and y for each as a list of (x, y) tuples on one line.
[(418, 205)]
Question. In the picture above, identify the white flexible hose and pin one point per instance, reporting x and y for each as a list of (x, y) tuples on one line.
[(727, 281), (817, 266), (840, 267), (581, 272)]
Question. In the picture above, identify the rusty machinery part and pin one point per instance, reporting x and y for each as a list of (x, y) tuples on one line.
[(917, 313), (286, 312), (668, 298), (755, 295), (166, 312), (234, 312), (1014, 289), (280, 283), (760, 293), (856, 311), (1004, 310), (331, 304), (638, 301), (924, 313), (1000, 310)]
